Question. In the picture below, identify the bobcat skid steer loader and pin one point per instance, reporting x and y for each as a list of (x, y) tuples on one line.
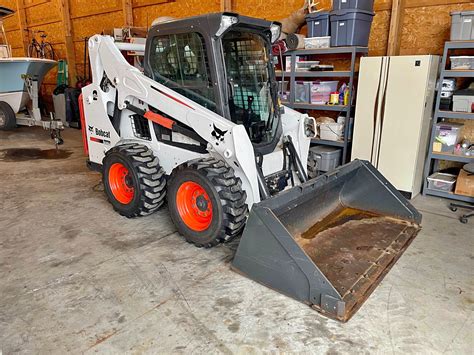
[(203, 128)]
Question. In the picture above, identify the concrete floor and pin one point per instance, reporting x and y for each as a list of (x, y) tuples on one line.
[(77, 277)]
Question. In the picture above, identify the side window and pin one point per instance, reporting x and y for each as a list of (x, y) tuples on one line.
[(179, 61)]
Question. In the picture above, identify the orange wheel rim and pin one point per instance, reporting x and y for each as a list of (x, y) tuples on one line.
[(121, 183), (194, 206)]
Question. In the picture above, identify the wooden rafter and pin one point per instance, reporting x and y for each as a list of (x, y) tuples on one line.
[(127, 12), (23, 25), (396, 25), (226, 5), (68, 40)]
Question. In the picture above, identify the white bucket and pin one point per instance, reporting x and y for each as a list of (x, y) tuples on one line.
[(331, 131)]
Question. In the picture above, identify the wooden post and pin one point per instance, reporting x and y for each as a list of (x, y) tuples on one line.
[(127, 13), (226, 5), (68, 40), (396, 25), (23, 25)]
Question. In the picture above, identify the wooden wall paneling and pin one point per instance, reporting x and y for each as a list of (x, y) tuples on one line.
[(68, 40), (425, 29), (18, 52), (273, 10), (396, 24), (91, 25), (55, 31), (11, 4), (33, 3), (127, 12), (23, 25), (15, 39), (142, 3), (384, 5), (12, 22), (86, 8), (42, 13), (378, 39), (143, 15)]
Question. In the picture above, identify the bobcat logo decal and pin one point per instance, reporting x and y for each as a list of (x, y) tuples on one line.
[(218, 134)]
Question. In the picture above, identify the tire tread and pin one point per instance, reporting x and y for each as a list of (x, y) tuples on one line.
[(151, 177)]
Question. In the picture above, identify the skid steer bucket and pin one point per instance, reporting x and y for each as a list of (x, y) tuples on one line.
[(330, 241)]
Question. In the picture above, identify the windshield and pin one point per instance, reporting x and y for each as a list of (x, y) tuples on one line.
[(251, 95), (180, 62)]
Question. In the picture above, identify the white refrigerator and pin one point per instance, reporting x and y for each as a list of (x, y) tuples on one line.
[(393, 117)]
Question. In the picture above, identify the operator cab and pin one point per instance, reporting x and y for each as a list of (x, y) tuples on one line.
[(223, 62)]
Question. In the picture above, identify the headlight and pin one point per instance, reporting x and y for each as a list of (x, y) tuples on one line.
[(226, 22), (275, 29)]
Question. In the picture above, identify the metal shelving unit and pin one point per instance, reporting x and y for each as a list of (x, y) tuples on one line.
[(355, 53), (433, 158)]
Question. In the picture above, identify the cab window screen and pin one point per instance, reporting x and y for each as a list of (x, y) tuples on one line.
[(179, 61)]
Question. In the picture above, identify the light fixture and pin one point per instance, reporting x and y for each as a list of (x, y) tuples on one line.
[(275, 29), (226, 22)]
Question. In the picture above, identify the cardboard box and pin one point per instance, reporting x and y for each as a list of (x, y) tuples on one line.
[(465, 184)]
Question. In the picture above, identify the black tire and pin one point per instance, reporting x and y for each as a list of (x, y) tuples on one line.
[(34, 50), (145, 176), (7, 117), (313, 169), (48, 51), (224, 190)]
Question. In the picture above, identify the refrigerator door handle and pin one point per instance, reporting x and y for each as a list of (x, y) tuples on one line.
[(374, 117), (382, 111)]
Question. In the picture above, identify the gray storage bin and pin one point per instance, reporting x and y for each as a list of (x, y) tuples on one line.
[(462, 25), (350, 27), (318, 24), (327, 158), (366, 5)]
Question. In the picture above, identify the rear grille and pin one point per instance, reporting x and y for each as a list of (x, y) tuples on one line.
[(141, 128)]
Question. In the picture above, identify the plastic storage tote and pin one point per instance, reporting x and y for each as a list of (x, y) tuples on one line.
[(317, 42), (331, 131), (327, 158), (441, 182), (318, 24), (350, 27), (463, 100), (462, 25), (366, 5), (446, 136), (321, 90), (464, 62)]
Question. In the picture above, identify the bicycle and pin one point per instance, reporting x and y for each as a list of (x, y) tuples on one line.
[(43, 49)]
